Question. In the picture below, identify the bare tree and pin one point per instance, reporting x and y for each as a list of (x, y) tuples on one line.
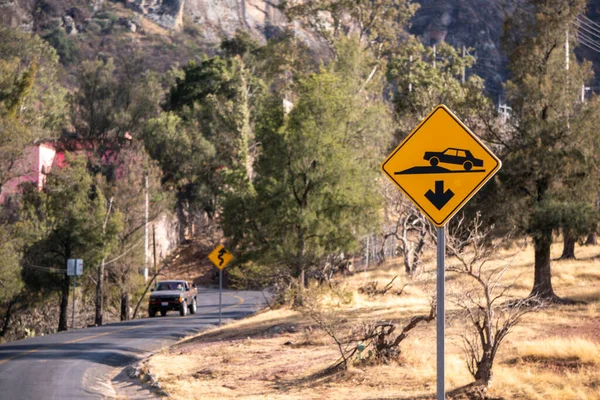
[(484, 301), (411, 228)]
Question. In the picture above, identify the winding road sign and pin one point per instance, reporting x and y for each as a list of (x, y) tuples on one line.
[(220, 257), (441, 165)]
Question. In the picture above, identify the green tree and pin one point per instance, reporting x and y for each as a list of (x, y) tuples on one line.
[(378, 23), (550, 142), (422, 83), (68, 220), (32, 101), (128, 192), (111, 106), (315, 179)]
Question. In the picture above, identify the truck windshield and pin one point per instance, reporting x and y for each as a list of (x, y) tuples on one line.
[(169, 286)]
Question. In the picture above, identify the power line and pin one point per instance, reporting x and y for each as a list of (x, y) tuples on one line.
[(589, 21), (44, 269), (587, 30), (589, 43)]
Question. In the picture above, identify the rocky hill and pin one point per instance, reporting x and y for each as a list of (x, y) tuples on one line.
[(177, 30)]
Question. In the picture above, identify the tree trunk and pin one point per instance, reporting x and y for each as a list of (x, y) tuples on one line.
[(8, 316), (125, 314), (64, 302), (99, 292), (483, 375), (592, 239), (300, 260), (542, 284), (568, 246)]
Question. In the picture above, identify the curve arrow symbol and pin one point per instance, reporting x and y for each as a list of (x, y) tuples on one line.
[(439, 198)]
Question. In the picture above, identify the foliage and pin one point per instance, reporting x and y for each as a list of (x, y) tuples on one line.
[(67, 220), (550, 143), (31, 99), (66, 47), (378, 23), (10, 269), (422, 83), (313, 191)]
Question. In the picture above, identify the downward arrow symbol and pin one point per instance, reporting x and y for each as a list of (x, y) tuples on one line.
[(439, 198)]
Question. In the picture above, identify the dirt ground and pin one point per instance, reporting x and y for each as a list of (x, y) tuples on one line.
[(282, 353)]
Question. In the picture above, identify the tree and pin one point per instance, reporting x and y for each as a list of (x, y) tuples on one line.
[(68, 220), (549, 146), (313, 190), (187, 161), (377, 23), (422, 83), (111, 106), (123, 265), (32, 101), (484, 301)]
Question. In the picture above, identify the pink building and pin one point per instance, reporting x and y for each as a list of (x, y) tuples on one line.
[(33, 167)]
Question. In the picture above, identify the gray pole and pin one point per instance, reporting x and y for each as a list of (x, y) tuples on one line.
[(441, 250), (220, 291), (146, 229), (367, 255), (463, 68), (74, 286)]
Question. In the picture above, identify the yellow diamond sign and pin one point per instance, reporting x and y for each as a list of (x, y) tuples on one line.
[(441, 165), (220, 257)]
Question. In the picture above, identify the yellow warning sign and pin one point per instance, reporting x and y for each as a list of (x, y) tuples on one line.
[(441, 165), (220, 257)]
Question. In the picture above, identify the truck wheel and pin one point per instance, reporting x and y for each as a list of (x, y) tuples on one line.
[(151, 312), (163, 312), (183, 309), (193, 307)]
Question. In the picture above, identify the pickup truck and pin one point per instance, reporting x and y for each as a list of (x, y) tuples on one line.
[(177, 295)]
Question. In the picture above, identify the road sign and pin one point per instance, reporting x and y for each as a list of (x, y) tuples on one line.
[(220, 257), (441, 165), (74, 267)]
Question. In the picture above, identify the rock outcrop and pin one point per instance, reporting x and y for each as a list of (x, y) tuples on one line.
[(17, 14), (224, 17), (166, 13)]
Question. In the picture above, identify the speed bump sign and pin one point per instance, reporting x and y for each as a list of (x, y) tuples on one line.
[(441, 165)]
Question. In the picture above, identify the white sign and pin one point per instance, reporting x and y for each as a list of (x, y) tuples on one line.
[(74, 267)]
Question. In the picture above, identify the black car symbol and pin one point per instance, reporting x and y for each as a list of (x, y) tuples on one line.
[(453, 156)]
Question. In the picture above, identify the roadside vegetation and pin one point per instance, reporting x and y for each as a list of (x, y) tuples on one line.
[(283, 353), (274, 151)]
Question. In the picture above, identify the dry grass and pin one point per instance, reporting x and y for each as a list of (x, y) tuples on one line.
[(279, 354), (560, 350)]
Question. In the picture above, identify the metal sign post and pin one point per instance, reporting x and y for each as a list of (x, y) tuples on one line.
[(74, 268), (220, 292), (73, 313), (440, 166), (440, 318)]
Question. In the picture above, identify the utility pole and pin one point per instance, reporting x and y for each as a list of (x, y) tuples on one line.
[(434, 56), (463, 67), (154, 246), (146, 230), (410, 60), (567, 72), (567, 52)]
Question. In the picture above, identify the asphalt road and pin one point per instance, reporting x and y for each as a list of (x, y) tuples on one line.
[(78, 364)]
